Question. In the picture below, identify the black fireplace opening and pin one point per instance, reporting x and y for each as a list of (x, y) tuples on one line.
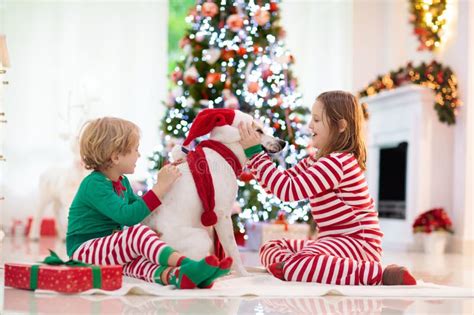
[(392, 181)]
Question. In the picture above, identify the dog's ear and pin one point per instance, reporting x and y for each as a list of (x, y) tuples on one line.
[(225, 134)]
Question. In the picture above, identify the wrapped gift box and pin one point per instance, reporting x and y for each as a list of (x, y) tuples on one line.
[(260, 232), (63, 279)]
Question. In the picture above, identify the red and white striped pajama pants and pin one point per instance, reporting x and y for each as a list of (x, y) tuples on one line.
[(336, 259), (137, 248), (331, 306)]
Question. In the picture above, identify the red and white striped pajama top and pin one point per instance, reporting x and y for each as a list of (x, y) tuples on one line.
[(348, 249)]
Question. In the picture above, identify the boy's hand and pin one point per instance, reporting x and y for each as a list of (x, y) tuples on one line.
[(165, 179), (248, 136)]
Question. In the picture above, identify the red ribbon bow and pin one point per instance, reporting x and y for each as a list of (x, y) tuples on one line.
[(118, 187)]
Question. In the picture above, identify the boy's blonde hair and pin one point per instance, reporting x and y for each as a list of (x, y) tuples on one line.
[(102, 137), (338, 105)]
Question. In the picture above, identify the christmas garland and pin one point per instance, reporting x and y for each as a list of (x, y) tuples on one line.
[(433, 75), (429, 20)]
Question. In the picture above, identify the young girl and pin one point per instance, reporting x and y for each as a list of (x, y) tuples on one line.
[(104, 218), (348, 249)]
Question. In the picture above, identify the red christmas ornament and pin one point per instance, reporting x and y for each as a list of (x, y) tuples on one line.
[(276, 125), (266, 73), (246, 177), (261, 16), (242, 51), (176, 75), (253, 87), (227, 54), (213, 78), (273, 6), (235, 22), (189, 80), (190, 76), (210, 9)]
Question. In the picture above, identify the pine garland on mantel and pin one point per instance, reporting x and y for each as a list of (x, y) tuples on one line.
[(433, 75)]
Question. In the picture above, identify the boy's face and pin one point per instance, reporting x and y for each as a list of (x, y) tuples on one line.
[(127, 162), (319, 126)]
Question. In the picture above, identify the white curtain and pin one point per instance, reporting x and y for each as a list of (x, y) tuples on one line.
[(73, 60)]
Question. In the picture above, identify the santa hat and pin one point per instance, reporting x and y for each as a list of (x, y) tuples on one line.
[(206, 120), (204, 123)]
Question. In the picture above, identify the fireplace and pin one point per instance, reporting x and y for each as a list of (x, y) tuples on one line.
[(392, 181), (409, 151)]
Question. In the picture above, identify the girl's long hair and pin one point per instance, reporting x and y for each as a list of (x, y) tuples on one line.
[(338, 105)]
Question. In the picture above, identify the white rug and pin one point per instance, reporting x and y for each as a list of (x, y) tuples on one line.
[(265, 285)]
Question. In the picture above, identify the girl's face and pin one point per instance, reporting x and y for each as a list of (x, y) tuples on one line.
[(319, 126), (128, 161)]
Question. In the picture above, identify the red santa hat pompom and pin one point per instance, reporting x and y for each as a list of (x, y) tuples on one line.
[(208, 218)]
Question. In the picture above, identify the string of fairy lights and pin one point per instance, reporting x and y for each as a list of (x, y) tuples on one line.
[(234, 57), (430, 19)]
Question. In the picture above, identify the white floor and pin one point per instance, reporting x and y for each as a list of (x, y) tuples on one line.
[(450, 269)]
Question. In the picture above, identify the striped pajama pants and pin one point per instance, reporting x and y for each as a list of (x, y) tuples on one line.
[(336, 259), (333, 306), (137, 248)]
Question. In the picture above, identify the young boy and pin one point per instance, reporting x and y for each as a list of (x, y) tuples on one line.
[(104, 218)]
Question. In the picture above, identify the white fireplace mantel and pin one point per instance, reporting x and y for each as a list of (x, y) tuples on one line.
[(407, 115)]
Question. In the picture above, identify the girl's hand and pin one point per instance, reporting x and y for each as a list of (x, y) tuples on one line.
[(178, 161), (248, 136), (165, 179)]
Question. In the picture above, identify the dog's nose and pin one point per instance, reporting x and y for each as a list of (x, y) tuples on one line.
[(282, 144)]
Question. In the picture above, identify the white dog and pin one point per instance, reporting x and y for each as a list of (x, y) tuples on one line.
[(179, 216)]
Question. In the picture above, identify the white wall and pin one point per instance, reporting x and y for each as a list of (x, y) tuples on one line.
[(319, 34), (383, 41), (110, 56)]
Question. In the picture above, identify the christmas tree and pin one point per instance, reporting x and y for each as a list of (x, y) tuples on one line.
[(234, 57)]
